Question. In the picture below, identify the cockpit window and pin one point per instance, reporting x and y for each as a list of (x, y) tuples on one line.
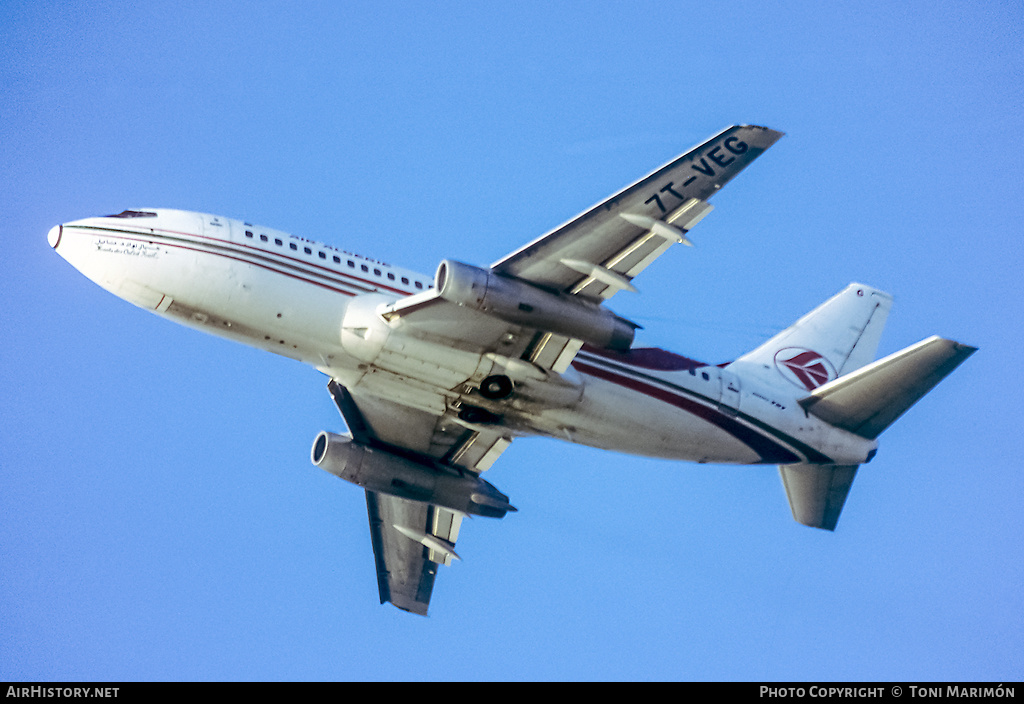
[(132, 214)]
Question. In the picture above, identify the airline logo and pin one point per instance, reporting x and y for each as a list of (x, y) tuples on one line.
[(804, 368)]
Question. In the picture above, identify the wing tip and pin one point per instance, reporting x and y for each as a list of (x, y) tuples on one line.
[(773, 133), (410, 606)]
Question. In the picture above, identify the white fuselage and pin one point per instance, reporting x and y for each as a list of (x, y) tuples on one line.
[(289, 295)]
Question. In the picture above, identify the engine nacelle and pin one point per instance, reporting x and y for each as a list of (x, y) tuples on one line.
[(376, 469), (520, 303)]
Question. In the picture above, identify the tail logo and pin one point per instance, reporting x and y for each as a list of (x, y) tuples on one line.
[(805, 368)]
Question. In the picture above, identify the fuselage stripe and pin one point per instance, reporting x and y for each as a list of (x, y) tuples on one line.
[(228, 249), (628, 370), (770, 451)]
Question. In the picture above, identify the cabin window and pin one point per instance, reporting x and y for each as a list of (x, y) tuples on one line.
[(322, 255), (364, 267), (263, 238), (293, 246), (337, 259), (307, 250), (278, 242), (405, 280), (705, 375), (351, 264), (248, 233), (391, 276), (376, 272), (419, 284)]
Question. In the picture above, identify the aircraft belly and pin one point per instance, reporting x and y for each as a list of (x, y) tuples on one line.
[(616, 418), (398, 350), (214, 294), (280, 315)]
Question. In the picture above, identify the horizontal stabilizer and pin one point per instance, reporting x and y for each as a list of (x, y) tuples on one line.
[(817, 492), (869, 400)]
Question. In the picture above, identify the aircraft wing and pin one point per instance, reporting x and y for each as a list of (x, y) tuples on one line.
[(411, 538), (406, 568), (602, 249)]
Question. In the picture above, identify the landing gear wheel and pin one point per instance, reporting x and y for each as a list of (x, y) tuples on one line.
[(496, 387)]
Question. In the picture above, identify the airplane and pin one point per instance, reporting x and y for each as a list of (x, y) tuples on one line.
[(435, 376)]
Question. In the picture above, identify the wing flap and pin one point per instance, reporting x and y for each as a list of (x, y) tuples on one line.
[(657, 237), (444, 526)]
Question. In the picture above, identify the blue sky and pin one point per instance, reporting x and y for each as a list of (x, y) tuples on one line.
[(159, 517)]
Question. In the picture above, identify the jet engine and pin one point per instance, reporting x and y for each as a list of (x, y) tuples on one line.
[(377, 469), (520, 303)]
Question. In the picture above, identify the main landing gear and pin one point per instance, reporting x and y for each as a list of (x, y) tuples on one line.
[(496, 387)]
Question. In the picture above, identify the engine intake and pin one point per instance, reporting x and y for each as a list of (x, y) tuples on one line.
[(377, 469), (520, 303)]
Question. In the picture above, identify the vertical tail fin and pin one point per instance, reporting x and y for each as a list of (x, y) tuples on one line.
[(835, 338), (829, 355)]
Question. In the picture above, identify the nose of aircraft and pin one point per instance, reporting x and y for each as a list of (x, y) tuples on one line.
[(53, 236)]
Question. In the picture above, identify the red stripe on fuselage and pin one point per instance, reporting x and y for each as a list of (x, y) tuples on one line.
[(767, 449), (281, 255), (240, 256)]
